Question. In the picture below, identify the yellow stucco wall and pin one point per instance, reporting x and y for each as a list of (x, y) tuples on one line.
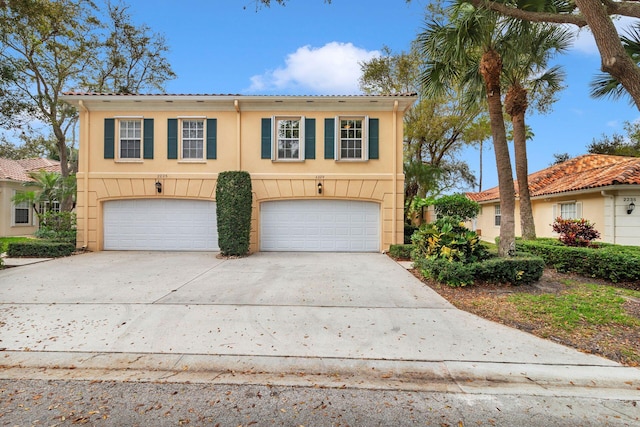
[(543, 214), (238, 148), (7, 227)]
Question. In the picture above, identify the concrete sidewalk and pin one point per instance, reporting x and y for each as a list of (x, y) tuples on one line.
[(359, 320)]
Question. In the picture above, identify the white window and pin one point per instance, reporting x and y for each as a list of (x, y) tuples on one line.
[(289, 137), (54, 206), (497, 216), (192, 139), (568, 211), (352, 142), (130, 139), (21, 213)]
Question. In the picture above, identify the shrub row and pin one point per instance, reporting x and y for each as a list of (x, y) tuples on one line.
[(614, 263), (518, 270), (40, 249), (400, 251)]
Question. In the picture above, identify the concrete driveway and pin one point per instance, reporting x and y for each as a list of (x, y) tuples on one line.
[(322, 317)]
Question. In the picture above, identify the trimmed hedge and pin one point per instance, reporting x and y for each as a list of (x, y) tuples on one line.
[(610, 262), (517, 270), (233, 210), (40, 249), (400, 251)]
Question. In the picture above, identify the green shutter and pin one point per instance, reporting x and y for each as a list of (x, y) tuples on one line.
[(172, 139), (329, 138), (374, 138), (212, 138), (109, 138), (148, 139), (266, 138), (309, 138)]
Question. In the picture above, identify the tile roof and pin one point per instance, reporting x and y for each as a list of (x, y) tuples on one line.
[(18, 170), (580, 173)]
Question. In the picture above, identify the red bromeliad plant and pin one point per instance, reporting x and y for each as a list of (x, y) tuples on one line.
[(575, 232)]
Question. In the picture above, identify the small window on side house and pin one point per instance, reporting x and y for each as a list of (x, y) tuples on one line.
[(497, 216), (568, 211), (21, 213)]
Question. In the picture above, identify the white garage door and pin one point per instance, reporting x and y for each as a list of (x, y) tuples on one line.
[(320, 225), (160, 224)]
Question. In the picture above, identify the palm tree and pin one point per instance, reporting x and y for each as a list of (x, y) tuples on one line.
[(605, 85), (527, 76), (466, 52), (51, 187)]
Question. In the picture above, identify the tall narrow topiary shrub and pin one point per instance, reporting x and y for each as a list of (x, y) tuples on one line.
[(233, 209)]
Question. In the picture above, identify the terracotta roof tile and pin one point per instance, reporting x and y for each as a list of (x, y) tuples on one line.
[(580, 173), (18, 170)]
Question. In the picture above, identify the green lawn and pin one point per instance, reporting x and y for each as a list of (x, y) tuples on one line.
[(4, 242)]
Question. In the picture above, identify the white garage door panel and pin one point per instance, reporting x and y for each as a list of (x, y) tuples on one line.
[(160, 224), (320, 225)]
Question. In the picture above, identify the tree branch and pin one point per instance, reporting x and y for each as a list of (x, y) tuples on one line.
[(555, 18), (624, 8)]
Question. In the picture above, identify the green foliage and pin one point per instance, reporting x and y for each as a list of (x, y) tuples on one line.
[(35, 248), (400, 251), (515, 270), (518, 270), (456, 205), (618, 145), (233, 209), (408, 232), (58, 226), (575, 232), (454, 274), (449, 239), (609, 262)]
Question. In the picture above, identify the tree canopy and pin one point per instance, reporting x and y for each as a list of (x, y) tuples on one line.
[(48, 47)]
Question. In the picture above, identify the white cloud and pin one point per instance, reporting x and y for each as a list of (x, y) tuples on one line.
[(584, 41), (332, 69)]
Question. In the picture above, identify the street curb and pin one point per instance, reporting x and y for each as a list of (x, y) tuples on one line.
[(608, 382)]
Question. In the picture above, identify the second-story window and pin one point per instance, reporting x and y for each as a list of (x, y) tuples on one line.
[(289, 138), (130, 139), (352, 138), (192, 139)]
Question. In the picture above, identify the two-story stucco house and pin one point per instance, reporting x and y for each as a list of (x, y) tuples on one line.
[(326, 170)]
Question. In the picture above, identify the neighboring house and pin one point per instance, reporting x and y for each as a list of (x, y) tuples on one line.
[(19, 219), (326, 170), (603, 189)]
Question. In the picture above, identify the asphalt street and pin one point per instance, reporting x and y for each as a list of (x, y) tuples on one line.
[(104, 403)]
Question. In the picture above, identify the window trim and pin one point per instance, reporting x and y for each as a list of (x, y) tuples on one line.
[(301, 139), (364, 139), (14, 207), (497, 215), (118, 157), (181, 121)]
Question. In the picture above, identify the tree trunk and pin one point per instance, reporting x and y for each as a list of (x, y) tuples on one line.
[(490, 69), (66, 205), (516, 106), (615, 59)]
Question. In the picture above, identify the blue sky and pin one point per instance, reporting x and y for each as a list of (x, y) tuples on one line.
[(312, 48)]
